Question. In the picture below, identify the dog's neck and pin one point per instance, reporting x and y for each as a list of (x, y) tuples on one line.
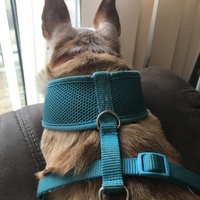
[(63, 59)]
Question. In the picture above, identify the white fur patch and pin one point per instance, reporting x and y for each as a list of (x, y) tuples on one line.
[(93, 40), (42, 80), (61, 31), (108, 30)]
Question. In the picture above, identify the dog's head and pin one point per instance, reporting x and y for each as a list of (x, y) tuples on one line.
[(68, 41), (78, 51)]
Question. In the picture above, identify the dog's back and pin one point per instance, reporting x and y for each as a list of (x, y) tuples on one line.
[(83, 52)]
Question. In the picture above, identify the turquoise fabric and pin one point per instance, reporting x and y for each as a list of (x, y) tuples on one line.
[(155, 166), (72, 103), (105, 101), (112, 180)]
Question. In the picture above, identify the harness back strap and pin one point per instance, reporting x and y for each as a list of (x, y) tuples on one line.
[(112, 180)]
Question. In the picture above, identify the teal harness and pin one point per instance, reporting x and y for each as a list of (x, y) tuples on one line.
[(105, 101)]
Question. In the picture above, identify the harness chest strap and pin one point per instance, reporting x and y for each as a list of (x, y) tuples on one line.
[(147, 164)]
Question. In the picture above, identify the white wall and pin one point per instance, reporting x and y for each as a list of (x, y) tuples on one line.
[(177, 36)]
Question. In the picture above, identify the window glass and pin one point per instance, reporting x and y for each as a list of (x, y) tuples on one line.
[(7, 103), (4, 93), (12, 87)]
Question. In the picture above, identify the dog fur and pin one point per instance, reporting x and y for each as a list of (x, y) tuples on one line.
[(81, 52)]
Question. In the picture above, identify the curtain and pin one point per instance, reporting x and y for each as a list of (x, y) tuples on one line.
[(161, 33), (176, 44)]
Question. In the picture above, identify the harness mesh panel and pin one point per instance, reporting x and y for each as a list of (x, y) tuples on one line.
[(71, 95), (128, 105), (71, 103)]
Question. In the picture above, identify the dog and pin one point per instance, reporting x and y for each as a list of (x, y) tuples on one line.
[(83, 51)]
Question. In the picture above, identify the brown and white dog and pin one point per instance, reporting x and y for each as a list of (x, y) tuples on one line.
[(82, 52)]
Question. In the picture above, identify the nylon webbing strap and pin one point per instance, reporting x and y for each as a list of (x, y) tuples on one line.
[(105, 93), (184, 178), (112, 181), (148, 164)]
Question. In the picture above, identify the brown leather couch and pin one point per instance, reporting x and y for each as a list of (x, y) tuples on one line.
[(172, 100)]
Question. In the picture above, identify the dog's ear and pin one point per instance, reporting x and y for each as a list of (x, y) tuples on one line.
[(55, 12), (107, 13)]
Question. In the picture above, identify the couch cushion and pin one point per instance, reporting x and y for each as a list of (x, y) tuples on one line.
[(20, 155), (177, 105)]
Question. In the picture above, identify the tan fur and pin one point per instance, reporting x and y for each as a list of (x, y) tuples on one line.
[(85, 52)]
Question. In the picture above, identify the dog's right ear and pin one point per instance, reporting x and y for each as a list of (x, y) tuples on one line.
[(55, 12)]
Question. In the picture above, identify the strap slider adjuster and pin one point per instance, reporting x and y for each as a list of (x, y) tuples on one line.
[(152, 165)]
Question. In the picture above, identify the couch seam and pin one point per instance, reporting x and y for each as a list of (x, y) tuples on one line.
[(31, 141)]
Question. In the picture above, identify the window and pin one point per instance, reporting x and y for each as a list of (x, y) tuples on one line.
[(23, 50), (12, 91)]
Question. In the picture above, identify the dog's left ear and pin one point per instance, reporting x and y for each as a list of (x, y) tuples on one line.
[(107, 13), (55, 12)]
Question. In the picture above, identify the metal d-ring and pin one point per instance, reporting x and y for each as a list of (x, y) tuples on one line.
[(100, 193), (108, 112)]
